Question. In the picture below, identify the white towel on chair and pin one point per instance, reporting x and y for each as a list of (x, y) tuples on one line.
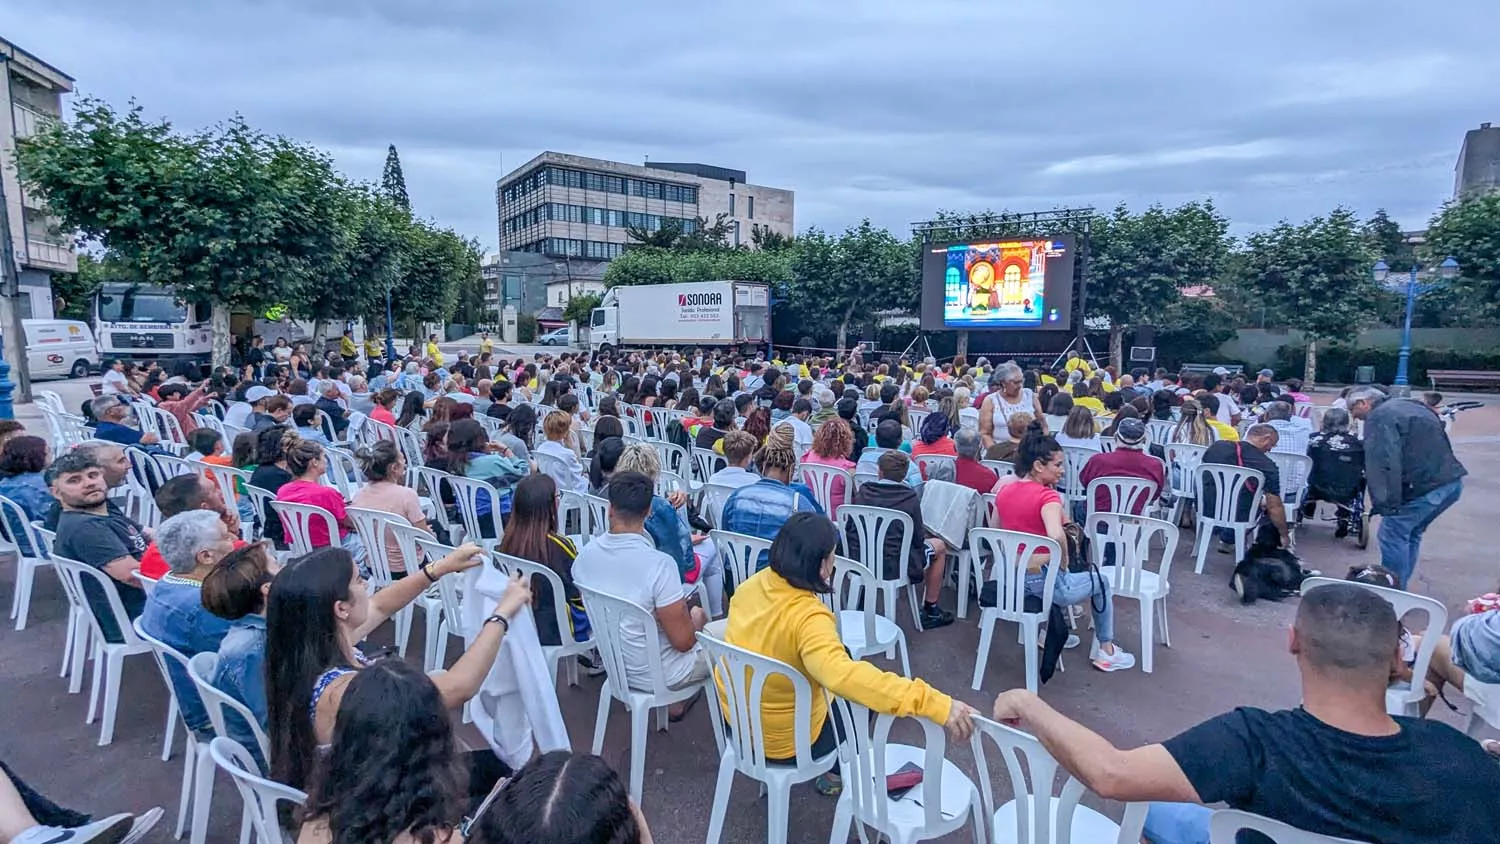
[(516, 708), (948, 510)]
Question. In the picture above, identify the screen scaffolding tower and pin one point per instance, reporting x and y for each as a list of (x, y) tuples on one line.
[(989, 225)]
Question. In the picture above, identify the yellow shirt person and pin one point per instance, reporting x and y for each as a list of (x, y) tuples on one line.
[(433, 352), (1224, 431)]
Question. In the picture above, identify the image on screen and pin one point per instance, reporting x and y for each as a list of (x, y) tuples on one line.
[(1000, 285)]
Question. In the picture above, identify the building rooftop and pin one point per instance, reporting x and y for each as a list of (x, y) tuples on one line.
[(703, 171), (32, 66), (1478, 165)]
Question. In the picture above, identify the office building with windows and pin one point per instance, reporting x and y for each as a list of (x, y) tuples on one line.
[(31, 93), (573, 207)]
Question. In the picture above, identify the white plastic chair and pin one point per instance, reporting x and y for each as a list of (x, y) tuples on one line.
[(675, 459), (739, 552), (1225, 825), (225, 477), (570, 511), (863, 631), (570, 647), (466, 493), (109, 657), (1230, 483), (260, 502), (927, 462), (202, 667), (609, 615), (1484, 705), (670, 482), (1071, 484), (1009, 554), (965, 558), (743, 676), (999, 467), (941, 803), (1121, 495), (431, 601), (861, 478), (1294, 470), (296, 524), (1132, 538), (1037, 814), (76, 639), (452, 620), (712, 499), (197, 771), (871, 525), (261, 795), (14, 540), (372, 526), (1403, 697), (598, 515), (1159, 431), (342, 471), (431, 482), (1182, 475), (706, 461), (819, 478)]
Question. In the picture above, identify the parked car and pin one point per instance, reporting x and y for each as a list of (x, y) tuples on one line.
[(556, 337), (60, 348)]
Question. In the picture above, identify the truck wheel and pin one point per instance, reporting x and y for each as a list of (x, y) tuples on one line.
[(80, 369), (606, 349)]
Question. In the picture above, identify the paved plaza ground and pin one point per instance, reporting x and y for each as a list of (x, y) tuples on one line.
[(1223, 655)]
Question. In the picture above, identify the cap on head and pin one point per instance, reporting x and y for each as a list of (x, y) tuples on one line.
[(1130, 433), (258, 393)]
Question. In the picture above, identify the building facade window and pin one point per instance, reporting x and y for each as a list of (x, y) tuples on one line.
[(731, 205), (750, 207)]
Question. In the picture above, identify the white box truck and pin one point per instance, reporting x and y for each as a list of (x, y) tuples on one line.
[(708, 313)]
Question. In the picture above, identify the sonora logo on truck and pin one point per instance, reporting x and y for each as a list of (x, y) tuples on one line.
[(685, 299)]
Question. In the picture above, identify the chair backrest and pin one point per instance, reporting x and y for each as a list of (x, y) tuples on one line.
[(1074, 459), (674, 458), (47, 537), (739, 552), (1032, 772), (1158, 431), (261, 795), (296, 521), (706, 461), (743, 676), (559, 592), (448, 587), (49, 399), (342, 471), (74, 576), (999, 467), (1229, 484), (1403, 603), (1132, 538), (260, 500), (862, 477), (862, 756), (853, 591), (571, 510), (556, 468), (927, 462), (712, 501), (373, 529), (1225, 825), (466, 493), (17, 531), (609, 616), (164, 654), (670, 482), (598, 515), (167, 426), (224, 476), (1294, 470), (1009, 553), (819, 478), (1121, 494), (411, 445), (1182, 467), (202, 668), (148, 584), (430, 481), (870, 526)]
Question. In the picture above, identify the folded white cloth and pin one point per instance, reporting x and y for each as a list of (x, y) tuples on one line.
[(949, 510), (516, 708)]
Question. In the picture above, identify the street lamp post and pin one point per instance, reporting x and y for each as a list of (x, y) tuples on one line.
[(1447, 270)]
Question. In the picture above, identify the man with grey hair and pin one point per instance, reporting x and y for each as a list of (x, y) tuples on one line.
[(967, 470), (111, 414), (1292, 430), (1411, 472), (192, 543)]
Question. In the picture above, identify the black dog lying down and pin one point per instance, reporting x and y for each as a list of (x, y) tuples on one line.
[(1268, 572)]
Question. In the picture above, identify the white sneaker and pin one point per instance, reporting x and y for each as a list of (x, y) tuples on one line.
[(111, 830), (1117, 661), (1073, 641), (144, 822)]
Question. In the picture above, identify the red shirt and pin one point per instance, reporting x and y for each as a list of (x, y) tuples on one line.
[(381, 414), (1018, 506), (307, 492), (1123, 463), (974, 475)]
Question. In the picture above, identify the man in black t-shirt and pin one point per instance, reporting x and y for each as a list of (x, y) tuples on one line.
[(93, 533), (1338, 765), (1250, 453)]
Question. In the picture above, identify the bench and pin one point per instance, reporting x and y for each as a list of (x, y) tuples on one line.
[(1463, 378)]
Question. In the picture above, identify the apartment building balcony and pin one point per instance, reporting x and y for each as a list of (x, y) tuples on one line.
[(43, 255)]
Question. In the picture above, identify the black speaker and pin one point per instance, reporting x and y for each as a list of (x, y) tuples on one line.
[(1145, 335)]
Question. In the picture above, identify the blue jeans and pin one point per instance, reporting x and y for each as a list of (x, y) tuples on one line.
[(1401, 532), (1177, 823), (1077, 588)]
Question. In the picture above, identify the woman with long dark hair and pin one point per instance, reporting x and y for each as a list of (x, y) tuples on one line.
[(563, 798), (472, 455), (392, 773), (532, 533), (1029, 503), (413, 410), (319, 606), (520, 429)]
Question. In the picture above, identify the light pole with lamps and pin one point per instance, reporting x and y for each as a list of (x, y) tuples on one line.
[(1447, 270)]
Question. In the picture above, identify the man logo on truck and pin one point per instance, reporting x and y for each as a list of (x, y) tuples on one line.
[(685, 299)]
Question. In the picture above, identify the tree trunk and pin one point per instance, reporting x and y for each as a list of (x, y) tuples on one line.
[(1310, 365), (320, 337), (962, 349), (220, 321), (843, 336), (1117, 346)]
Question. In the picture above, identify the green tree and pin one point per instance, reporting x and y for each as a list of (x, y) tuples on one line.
[(1318, 274), (769, 240), (1385, 240), (1140, 263), (1469, 231), (843, 283), (581, 308), (437, 262), (666, 236), (75, 291), (393, 181)]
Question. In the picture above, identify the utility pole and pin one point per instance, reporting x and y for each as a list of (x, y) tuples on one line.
[(10, 285)]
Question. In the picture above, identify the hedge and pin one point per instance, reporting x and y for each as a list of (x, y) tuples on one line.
[(1337, 362)]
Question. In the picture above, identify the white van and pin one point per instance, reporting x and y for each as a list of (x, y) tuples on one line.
[(60, 348)]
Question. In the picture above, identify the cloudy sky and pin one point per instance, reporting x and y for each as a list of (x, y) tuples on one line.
[(887, 109)]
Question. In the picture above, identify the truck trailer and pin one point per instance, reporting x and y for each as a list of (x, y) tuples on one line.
[(708, 313)]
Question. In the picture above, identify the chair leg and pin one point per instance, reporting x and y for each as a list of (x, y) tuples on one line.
[(403, 629), (905, 654), (67, 660), (116, 661), (601, 719), (843, 819), (965, 561), (778, 813), (1161, 618), (203, 792), (20, 605), (986, 634), (245, 826), (721, 800), (638, 733), (1148, 623), (916, 609), (1200, 546), (171, 730), (96, 653), (185, 796), (1033, 670), (661, 719)]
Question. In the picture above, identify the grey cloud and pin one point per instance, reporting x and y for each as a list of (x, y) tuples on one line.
[(883, 108)]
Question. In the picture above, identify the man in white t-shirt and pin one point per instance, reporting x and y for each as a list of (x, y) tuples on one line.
[(802, 433), (738, 447), (625, 563)]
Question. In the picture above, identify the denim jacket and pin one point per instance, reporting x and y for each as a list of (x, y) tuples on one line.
[(670, 533), (30, 491), (761, 508), (241, 675), (174, 614)]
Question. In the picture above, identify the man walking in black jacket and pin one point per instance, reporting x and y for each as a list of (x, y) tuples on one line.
[(1411, 471)]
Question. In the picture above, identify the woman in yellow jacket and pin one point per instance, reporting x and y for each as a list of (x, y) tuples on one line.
[(778, 613)]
